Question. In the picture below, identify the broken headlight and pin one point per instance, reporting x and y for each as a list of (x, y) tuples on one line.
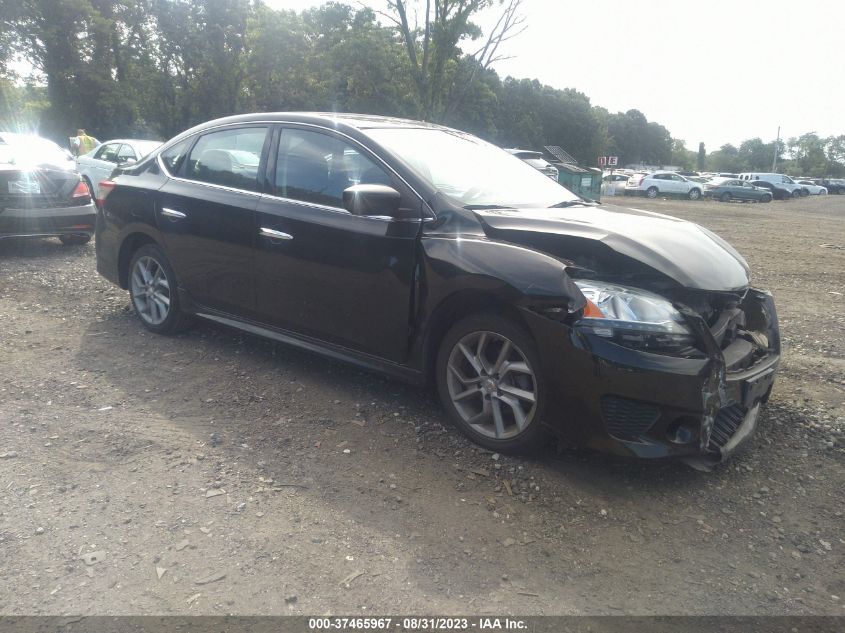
[(634, 318)]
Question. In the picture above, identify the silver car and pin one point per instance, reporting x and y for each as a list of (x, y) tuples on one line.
[(98, 164)]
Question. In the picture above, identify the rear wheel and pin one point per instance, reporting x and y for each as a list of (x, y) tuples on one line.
[(694, 194), (74, 240), (489, 383), (651, 192), (766, 198), (152, 289), (725, 197)]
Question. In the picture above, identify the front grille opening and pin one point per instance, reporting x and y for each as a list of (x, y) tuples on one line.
[(726, 424), (628, 419)]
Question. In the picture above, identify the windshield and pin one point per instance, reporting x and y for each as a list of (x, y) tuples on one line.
[(470, 171), (17, 149)]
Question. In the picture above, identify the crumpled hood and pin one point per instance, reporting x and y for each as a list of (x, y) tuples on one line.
[(687, 253)]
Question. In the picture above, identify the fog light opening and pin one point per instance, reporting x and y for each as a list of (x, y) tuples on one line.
[(683, 430)]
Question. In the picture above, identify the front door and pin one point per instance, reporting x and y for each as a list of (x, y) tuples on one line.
[(321, 271), (206, 214)]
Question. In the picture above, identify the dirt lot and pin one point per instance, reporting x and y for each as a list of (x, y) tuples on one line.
[(219, 473)]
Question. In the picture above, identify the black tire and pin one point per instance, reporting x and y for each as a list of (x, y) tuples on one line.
[(517, 440), (651, 192), (725, 197), (796, 193), (155, 262), (694, 194), (74, 240), (766, 198)]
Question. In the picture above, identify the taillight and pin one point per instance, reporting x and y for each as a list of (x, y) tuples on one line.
[(81, 191), (104, 189)]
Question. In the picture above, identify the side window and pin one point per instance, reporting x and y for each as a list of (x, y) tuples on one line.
[(228, 157), (125, 153), (174, 156), (107, 152), (315, 167)]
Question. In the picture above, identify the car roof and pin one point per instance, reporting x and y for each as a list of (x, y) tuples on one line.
[(359, 121), (525, 153), (130, 140)]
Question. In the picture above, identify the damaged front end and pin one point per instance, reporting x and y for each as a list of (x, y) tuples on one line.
[(742, 344), (695, 394)]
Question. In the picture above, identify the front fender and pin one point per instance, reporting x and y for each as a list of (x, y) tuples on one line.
[(514, 274)]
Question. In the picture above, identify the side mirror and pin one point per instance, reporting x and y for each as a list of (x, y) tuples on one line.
[(372, 200)]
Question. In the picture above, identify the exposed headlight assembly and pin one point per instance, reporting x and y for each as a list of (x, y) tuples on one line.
[(635, 318)]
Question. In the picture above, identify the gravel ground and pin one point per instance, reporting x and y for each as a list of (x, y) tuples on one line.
[(215, 472)]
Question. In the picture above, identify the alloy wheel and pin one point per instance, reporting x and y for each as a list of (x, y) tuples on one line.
[(492, 385), (150, 290)]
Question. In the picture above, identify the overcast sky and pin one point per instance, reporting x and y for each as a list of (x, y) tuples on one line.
[(717, 71)]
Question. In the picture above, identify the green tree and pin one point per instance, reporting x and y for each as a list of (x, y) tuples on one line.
[(432, 33), (807, 154)]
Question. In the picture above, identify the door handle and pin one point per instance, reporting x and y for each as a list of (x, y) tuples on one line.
[(274, 234), (173, 213)]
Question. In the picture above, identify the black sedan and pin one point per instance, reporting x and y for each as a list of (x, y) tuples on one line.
[(728, 189), (40, 193), (430, 255), (778, 193)]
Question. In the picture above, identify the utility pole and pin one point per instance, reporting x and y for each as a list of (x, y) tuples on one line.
[(775, 157)]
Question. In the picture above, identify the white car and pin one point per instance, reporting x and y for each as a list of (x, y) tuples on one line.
[(98, 164), (536, 160), (814, 189), (663, 182)]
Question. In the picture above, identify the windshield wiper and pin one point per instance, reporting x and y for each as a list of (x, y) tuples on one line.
[(573, 203)]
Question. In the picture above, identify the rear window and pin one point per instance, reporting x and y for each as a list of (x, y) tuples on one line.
[(174, 156), (229, 158)]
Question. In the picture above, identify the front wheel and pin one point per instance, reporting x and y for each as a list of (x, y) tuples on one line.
[(488, 381), (152, 289), (694, 194), (766, 199), (651, 192)]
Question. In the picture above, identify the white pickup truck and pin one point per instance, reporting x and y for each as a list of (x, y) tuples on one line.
[(781, 180)]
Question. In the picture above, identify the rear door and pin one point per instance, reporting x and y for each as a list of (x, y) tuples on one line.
[(206, 215), (321, 271), (100, 166)]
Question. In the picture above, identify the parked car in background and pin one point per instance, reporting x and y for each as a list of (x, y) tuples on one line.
[(727, 189), (433, 256), (614, 184), (834, 185), (778, 191), (781, 180), (536, 160), (41, 195), (99, 163), (813, 188), (662, 183)]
